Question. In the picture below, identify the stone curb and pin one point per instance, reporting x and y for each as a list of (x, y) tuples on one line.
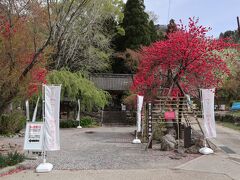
[(11, 168)]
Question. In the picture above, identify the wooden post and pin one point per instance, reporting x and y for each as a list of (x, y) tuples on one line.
[(143, 118), (150, 133), (238, 25)]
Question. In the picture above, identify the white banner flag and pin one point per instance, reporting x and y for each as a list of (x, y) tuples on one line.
[(35, 111), (139, 109), (27, 110), (208, 112), (52, 110), (79, 109)]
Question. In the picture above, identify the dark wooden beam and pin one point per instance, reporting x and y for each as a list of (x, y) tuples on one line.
[(238, 25)]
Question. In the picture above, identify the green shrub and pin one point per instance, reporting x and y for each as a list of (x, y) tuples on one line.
[(11, 159), (229, 118), (85, 122), (219, 117), (12, 123), (88, 122), (69, 124)]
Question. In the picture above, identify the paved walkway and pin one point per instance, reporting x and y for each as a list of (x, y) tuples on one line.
[(226, 160), (218, 163), (105, 148), (107, 153), (229, 138), (159, 174)]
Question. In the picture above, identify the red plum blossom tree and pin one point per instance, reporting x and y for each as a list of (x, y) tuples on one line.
[(186, 61)]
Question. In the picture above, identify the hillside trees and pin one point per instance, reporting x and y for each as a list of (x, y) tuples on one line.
[(21, 49), (85, 46), (34, 34), (231, 86), (231, 35)]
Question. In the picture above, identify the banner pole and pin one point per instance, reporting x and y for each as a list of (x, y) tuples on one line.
[(43, 115), (204, 136), (102, 113), (44, 167), (79, 114)]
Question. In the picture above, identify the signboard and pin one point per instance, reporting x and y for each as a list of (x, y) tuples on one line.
[(208, 112), (33, 136), (52, 110)]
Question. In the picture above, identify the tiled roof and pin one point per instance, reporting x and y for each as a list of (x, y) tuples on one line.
[(112, 81)]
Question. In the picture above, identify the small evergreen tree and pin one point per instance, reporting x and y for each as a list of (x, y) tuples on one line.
[(139, 31), (153, 32), (136, 25)]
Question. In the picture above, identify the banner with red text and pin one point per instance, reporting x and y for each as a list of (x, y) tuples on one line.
[(33, 136)]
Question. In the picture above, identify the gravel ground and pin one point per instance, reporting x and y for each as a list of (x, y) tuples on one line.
[(103, 148)]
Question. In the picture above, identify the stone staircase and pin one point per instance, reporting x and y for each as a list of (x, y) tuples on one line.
[(117, 118)]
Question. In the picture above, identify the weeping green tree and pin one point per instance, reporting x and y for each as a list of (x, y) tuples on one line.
[(77, 86)]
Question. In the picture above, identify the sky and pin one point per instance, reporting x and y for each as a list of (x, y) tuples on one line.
[(220, 15)]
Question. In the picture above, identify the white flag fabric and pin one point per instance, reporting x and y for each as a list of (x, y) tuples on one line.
[(139, 109), (52, 110), (35, 111), (79, 108), (208, 112), (27, 110)]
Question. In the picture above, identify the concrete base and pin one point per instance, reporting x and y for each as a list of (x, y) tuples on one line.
[(136, 141), (206, 150), (44, 167), (79, 127)]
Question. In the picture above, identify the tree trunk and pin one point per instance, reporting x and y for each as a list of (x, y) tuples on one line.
[(6, 100)]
